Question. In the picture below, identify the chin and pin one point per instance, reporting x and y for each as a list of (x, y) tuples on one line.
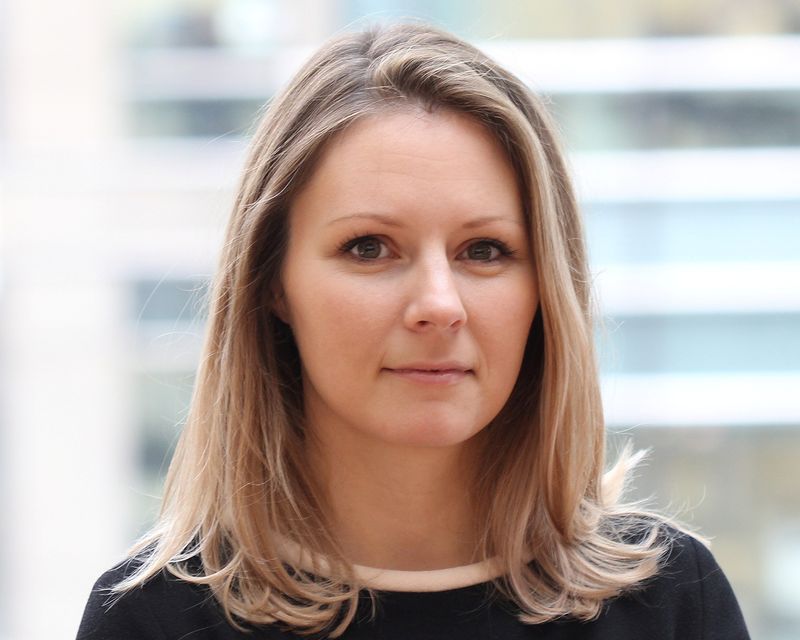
[(430, 432)]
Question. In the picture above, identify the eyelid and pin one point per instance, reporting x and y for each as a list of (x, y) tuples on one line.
[(504, 249), (347, 246)]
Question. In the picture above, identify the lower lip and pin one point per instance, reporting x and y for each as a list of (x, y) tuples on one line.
[(444, 377)]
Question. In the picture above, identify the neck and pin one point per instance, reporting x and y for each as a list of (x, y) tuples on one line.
[(397, 507)]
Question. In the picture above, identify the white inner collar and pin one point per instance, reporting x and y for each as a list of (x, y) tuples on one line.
[(434, 580), (398, 580)]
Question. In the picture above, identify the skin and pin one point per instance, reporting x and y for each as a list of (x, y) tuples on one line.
[(409, 286)]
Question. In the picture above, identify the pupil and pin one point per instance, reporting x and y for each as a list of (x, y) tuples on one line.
[(369, 249), (481, 251)]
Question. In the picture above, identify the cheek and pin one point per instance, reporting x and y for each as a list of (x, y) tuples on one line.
[(335, 318), (503, 321), (509, 300)]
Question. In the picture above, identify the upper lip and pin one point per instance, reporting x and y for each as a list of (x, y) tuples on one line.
[(450, 365)]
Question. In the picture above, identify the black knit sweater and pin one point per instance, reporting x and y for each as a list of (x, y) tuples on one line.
[(689, 599)]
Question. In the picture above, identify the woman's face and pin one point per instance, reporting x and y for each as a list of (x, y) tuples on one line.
[(408, 281)]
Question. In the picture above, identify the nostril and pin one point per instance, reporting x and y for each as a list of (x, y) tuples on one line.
[(435, 301)]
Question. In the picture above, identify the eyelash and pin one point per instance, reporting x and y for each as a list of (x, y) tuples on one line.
[(347, 247), (504, 250)]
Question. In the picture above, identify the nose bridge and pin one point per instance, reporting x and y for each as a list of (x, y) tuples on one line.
[(435, 299)]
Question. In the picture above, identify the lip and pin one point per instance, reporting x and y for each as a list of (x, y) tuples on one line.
[(432, 372)]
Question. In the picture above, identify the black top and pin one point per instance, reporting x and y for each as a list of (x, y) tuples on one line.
[(689, 599)]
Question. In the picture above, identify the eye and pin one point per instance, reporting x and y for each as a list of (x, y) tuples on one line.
[(487, 251), (366, 248)]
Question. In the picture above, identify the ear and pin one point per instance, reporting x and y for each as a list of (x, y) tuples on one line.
[(279, 305)]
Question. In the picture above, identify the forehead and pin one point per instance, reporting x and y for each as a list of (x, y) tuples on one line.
[(409, 159), (414, 130)]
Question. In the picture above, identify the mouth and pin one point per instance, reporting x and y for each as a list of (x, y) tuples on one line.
[(440, 373)]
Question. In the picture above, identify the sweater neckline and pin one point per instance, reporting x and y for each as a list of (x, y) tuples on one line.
[(430, 580), (400, 580)]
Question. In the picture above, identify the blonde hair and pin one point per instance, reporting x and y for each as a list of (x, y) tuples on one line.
[(238, 483)]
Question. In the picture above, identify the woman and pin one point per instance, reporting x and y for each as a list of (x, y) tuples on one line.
[(399, 374)]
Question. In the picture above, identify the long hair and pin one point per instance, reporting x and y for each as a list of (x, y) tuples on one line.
[(238, 486)]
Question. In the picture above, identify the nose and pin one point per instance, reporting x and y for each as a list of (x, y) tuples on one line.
[(435, 301)]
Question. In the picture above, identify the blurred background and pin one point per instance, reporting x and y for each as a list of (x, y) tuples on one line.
[(122, 131)]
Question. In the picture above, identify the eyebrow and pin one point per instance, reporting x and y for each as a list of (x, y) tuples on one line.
[(379, 217), (483, 220), (393, 222)]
